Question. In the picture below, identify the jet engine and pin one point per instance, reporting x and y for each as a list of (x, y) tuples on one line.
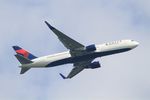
[(94, 65), (90, 48)]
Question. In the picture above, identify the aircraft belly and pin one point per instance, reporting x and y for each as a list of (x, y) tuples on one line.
[(71, 60), (110, 52), (35, 65), (58, 60)]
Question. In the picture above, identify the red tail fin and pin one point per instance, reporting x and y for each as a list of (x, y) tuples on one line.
[(24, 53)]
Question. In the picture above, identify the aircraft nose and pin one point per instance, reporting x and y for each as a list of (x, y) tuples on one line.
[(136, 44)]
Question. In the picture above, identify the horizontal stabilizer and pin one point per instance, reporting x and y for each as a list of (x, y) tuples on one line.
[(23, 70), (22, 59)]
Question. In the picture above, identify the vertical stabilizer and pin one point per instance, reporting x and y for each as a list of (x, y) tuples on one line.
[(24, 57), (24, 52)]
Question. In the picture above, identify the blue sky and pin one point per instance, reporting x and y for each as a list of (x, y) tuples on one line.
[(122, 77)]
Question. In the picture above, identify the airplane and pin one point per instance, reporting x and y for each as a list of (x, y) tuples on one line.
[(79, 55)]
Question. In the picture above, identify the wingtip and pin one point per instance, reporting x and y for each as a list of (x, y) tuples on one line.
[(51, 27), (46, 22), (62, 76)]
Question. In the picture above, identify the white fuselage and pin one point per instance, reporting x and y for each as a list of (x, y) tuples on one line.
[(65, 57)]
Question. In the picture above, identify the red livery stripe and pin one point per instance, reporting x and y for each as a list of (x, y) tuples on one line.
[(23, 52)]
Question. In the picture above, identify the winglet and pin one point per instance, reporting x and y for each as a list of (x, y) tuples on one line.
[(62, 76), (51, 27)]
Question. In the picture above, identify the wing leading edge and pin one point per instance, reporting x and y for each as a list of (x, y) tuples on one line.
[(78, 67), (73, 72), (68, 42)]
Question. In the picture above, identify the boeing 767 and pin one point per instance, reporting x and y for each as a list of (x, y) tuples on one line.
[(79, 55)]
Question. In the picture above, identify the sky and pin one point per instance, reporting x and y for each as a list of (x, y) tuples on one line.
[(122, 76)]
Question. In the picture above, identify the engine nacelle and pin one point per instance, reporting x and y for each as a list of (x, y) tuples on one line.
[(94, 65), (90, 48)]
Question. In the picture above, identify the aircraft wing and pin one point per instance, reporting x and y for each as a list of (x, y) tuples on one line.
[(78, 67), (68, 42)]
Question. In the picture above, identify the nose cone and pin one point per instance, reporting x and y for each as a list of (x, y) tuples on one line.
[(135, 44)]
